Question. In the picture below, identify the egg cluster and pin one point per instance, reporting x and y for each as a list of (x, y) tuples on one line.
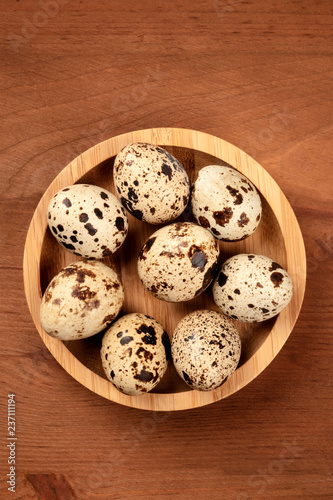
[(176, 263)]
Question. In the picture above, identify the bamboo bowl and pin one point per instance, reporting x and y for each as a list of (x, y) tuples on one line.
[(278, 237)]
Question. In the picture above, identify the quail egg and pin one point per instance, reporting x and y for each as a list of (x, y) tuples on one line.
[(226, 203), (252, 288), (152, 185), (87, 220), (81, 300), (135, 353), (205, 348), (178, 261)]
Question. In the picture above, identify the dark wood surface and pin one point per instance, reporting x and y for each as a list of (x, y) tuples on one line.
[(255, 73)]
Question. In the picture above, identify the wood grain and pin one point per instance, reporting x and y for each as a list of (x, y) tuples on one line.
[(258, 75)]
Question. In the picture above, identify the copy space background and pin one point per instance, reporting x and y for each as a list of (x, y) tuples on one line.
[(256, 73)]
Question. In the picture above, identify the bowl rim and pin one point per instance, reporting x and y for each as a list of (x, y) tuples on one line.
[(292, 238)]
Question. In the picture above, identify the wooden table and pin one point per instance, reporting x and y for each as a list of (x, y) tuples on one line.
[(255, 73)]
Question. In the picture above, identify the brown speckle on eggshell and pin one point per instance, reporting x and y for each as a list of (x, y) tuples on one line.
[(152, 185), (252, 288), (87, 220), (135, 353), (178, 261), (81, 300), (226, 203), (205, 349)]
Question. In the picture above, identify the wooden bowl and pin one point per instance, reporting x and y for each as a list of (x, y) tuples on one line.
[(278, 237)]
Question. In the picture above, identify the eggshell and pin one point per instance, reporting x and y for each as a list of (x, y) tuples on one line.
[(135, 353), (252, 288), (152, 185), (226, 203), (81, 300), (87, 220), (178, 261), (205, 348)]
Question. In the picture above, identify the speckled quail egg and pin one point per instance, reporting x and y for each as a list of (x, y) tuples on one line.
[(81, 300), (226, 203), (205, 348), (252, 288), (178, 261), (152, 185), (87, 220), (135, 353)]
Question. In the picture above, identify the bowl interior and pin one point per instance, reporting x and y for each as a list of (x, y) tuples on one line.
[(267, 240)]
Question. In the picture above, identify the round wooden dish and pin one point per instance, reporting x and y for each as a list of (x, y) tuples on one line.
[(278, 237)]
